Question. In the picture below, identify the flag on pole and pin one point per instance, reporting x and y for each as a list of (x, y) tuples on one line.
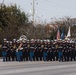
[(58, 34), (62, 35), (68, 34)]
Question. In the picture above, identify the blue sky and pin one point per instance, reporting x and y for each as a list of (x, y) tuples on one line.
[(46, 9)]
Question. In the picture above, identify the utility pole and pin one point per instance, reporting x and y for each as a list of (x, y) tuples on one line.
[(33, 17), (3, 2), (33, 14)]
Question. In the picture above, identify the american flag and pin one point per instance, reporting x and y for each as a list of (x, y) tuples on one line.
[(58, 34)]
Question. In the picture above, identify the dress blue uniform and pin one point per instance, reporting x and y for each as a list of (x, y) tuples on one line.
[(45, 52), (19, 53), (60, 53), (31, 51), (4, 51)]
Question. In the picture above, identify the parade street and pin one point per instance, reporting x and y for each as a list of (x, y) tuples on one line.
[(38, 68)]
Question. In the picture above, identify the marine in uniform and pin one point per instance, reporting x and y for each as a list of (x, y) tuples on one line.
[(24, 50), (65, 55), (8, 52), (41, 50), (73, 51), (31, 50), (12, 51), (4, 50), (14, 48), (48, 51), (60, 52), (45, 51), (37, 50), (40, 43), (56, 51), (19, 51), (68, 51), (53, 49)]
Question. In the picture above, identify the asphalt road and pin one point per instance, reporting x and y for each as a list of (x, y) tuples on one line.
[(37, 68)]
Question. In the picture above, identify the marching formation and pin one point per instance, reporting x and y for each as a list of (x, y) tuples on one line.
[(38, 50)]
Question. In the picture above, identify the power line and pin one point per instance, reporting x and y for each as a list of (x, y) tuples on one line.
[(44, 9), (46, 5), (56, 5), (60, 5)]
